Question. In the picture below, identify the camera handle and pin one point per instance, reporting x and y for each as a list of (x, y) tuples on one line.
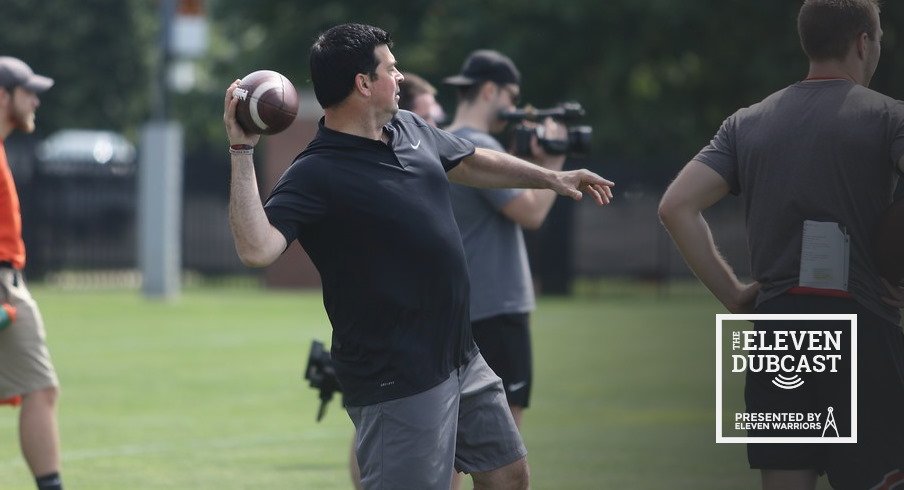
[(322, 376), (325, 397)]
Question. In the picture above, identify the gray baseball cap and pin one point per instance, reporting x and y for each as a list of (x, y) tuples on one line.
[(16, 73), (485, 65)]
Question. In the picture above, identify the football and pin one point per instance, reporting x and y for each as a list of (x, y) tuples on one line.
[(889, 245), (268, 102)]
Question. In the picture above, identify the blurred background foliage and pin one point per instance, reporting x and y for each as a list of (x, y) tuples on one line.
[(657, 77), (100, 53)]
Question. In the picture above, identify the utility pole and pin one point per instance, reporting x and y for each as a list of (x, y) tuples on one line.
[(160, 181)]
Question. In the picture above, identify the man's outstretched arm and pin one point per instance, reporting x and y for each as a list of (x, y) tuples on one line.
[(489, 168)]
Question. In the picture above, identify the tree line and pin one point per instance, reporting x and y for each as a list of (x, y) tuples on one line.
[(656, 77)]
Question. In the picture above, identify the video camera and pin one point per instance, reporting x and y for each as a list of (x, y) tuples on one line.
[(578, 141), (322, 375)]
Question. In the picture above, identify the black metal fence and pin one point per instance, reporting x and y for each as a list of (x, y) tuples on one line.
[(79, 209)]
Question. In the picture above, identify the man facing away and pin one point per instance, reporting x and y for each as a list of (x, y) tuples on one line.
[(825, 149), (368, 199), (25, 366)]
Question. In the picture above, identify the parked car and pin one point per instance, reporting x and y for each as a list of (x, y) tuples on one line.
[(86, 152), (82, 201)]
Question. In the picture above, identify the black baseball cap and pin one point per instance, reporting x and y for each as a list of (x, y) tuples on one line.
[(486, 65), (16, 73)]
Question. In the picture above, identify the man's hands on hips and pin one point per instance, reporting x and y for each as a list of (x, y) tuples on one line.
[(895, 296)]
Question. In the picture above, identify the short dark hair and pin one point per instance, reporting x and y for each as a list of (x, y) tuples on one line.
[(828, 27), (469, 93), (341, 53), (411, 88)]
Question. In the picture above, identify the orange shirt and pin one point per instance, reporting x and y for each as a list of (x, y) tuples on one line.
[(12, 248)]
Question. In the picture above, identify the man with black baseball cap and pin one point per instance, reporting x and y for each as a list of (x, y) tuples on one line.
[(491, 223), (26, 371), (486, 65)]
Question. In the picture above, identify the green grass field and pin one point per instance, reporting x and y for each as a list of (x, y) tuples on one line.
[(206, 392)]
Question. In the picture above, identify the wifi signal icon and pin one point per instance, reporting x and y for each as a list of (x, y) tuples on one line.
[(787, 382)]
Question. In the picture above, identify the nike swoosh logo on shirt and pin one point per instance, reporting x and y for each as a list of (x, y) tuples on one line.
[(517, 386), (415, 147)]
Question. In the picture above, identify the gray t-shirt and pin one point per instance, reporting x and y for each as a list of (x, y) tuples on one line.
[(494, 245), (818, 150)]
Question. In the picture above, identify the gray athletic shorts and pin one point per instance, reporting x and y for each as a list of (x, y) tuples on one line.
[(24, 360), (413, 442)]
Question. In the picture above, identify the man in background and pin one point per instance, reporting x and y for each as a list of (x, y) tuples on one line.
[(25, 366), (419, 96), (491, 222)]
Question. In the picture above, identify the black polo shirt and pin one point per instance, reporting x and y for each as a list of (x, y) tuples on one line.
[(377, 222)]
